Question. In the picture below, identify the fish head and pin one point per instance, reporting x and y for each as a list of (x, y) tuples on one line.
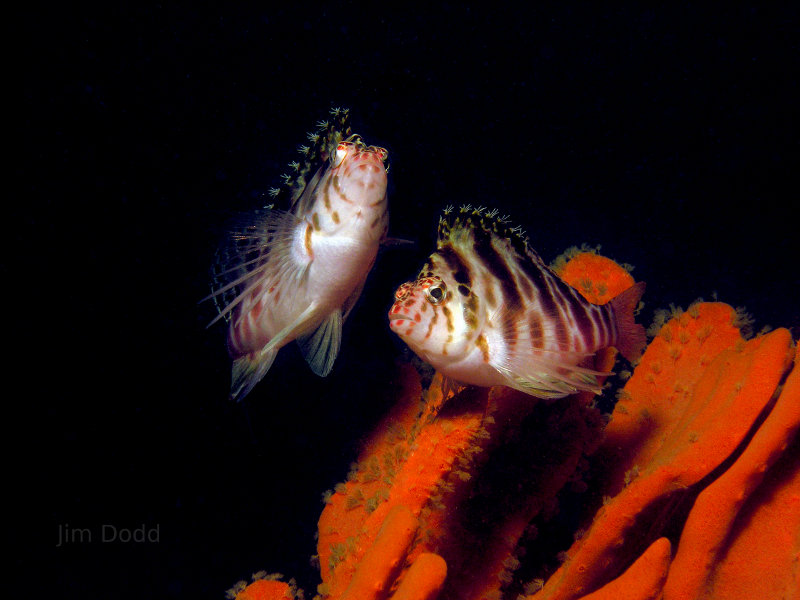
[(359, 171), (436, 319)]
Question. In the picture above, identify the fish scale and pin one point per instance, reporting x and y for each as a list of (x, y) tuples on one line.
[(486, 310)]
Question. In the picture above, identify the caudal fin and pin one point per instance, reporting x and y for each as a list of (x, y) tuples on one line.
[(632, 338), (249, 370)]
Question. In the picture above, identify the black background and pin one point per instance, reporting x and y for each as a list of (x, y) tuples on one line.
[(669, 136)]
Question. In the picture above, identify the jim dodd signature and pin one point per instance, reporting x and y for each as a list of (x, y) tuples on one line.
[(108, 534)]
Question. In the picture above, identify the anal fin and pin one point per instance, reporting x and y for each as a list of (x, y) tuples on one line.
[(321, 347), (550, 378)]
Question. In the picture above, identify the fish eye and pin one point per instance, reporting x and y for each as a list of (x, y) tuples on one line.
[(341, 153), (436, 293)]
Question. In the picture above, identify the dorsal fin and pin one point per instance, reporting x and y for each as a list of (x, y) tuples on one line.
[(320, 144), (471, 221), (251, 236)]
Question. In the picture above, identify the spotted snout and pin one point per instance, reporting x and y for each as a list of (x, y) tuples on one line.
[(365, 171), (413, 305), (405, 311)]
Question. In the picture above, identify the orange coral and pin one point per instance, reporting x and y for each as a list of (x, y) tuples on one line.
[(402, 470), (714, 408), (700, 456), (424, 579), (742, 538), (263, 588), (597, 278), (645, 578)]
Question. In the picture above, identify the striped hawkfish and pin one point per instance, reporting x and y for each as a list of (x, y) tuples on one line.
[(295, 274), (485, 310)]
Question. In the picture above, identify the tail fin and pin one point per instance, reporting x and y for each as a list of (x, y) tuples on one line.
[(249, 370), (632, 338)]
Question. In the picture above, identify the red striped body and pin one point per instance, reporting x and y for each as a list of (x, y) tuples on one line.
[(486, 310), (296, 274), (330, 251)]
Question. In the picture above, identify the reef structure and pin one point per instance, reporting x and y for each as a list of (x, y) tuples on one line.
[(689, 489)]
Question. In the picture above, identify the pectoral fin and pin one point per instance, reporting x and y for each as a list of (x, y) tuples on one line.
[(257, 255)]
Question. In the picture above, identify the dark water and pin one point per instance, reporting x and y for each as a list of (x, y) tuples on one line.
[(668, 137)]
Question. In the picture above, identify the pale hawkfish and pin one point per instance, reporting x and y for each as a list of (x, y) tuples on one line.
[(295, 274), (485, 310)]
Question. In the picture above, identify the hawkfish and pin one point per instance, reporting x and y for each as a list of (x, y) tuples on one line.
[(295, 274), (485, 310)]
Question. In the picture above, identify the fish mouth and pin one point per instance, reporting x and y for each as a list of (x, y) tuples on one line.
[(398, 316)]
